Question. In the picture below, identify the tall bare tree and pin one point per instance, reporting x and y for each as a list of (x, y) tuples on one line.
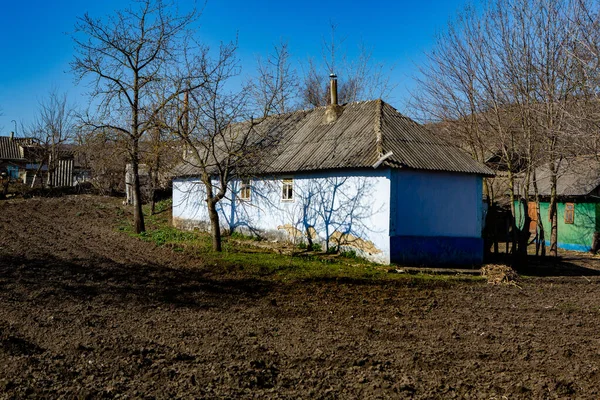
[(359, 78), (275, 87), (223, 140), (124, 56), (105, 154), (505, 77), (53, 126)]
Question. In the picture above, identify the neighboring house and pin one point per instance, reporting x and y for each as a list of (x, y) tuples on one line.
[(13, 159), (20, 158), (578, 207), (359, 176)]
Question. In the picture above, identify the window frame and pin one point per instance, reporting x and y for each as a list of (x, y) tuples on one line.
[(569, 213), (245, 192), (285, 195)]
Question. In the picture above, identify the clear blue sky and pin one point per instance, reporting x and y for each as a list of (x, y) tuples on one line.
[(36, 48)]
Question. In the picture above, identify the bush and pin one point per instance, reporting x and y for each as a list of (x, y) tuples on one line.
[(316, 247), (348, 253)]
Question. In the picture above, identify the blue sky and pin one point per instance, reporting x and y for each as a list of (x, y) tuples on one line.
[(36, 48)]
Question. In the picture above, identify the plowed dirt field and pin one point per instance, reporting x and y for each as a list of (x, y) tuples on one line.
[(90, 312)]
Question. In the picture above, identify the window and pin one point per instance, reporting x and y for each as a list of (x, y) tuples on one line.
[(245, 190), (287, 192), (12, 171), (569, 213)]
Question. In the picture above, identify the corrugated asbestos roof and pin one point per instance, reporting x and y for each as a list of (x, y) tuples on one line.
[(414, 146), (578, 176), (10, 149), (305, 142)]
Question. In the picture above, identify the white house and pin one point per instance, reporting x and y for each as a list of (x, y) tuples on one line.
[(360, 176)]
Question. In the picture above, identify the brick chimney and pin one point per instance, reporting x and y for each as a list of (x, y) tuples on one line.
[(333, 110), (12, 136)]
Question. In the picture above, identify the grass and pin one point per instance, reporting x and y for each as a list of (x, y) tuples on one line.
[(239, 258)]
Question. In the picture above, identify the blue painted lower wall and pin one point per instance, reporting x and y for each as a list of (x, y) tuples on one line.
[(570, 246), (436, 250)]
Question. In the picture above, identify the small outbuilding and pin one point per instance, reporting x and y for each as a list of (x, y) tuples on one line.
[(578, 202), (359, 176)]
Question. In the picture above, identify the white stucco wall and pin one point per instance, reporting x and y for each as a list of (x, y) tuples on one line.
[(436, 204), (355, 202)]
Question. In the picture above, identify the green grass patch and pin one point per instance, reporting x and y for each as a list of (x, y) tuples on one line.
[(241, 258), (166, 235)]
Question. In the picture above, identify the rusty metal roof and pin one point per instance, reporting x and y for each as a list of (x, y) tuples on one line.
[(306, 142)]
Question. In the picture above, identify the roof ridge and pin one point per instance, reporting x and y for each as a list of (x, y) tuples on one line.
[(378, 122)]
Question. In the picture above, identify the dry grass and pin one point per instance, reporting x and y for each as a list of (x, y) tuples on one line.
[(497, 274)]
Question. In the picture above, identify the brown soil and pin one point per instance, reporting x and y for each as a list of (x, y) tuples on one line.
[(89, 312)]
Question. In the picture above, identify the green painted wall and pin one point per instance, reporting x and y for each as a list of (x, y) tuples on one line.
[(577, 236)]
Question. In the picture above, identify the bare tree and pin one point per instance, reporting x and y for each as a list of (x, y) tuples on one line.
[(204, 122), (125, 56), (275, 88), (504, 79), (105, 154), (53, 126), (360, 78), (222, 139)]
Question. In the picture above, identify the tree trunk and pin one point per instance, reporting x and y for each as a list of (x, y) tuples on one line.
[(513, 219), (138, 214), (524, 233), (38, 171), (553, 216), (541, 237), (215, 228), (154, 185), (154, 171), (153, 201)]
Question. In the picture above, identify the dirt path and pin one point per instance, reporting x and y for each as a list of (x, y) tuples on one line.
[(88, 312)]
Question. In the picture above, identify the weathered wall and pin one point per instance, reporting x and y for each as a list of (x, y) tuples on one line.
[(577, 236), (347, 206), (436, 218)]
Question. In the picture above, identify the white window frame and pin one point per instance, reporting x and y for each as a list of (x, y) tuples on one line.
[(289, 184), (245, 193)]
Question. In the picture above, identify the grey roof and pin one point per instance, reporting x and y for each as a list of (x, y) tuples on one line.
[(578, 176), (305, 142), (11, 149)]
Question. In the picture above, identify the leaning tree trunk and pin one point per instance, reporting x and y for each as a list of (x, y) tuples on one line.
[(38, 171)]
